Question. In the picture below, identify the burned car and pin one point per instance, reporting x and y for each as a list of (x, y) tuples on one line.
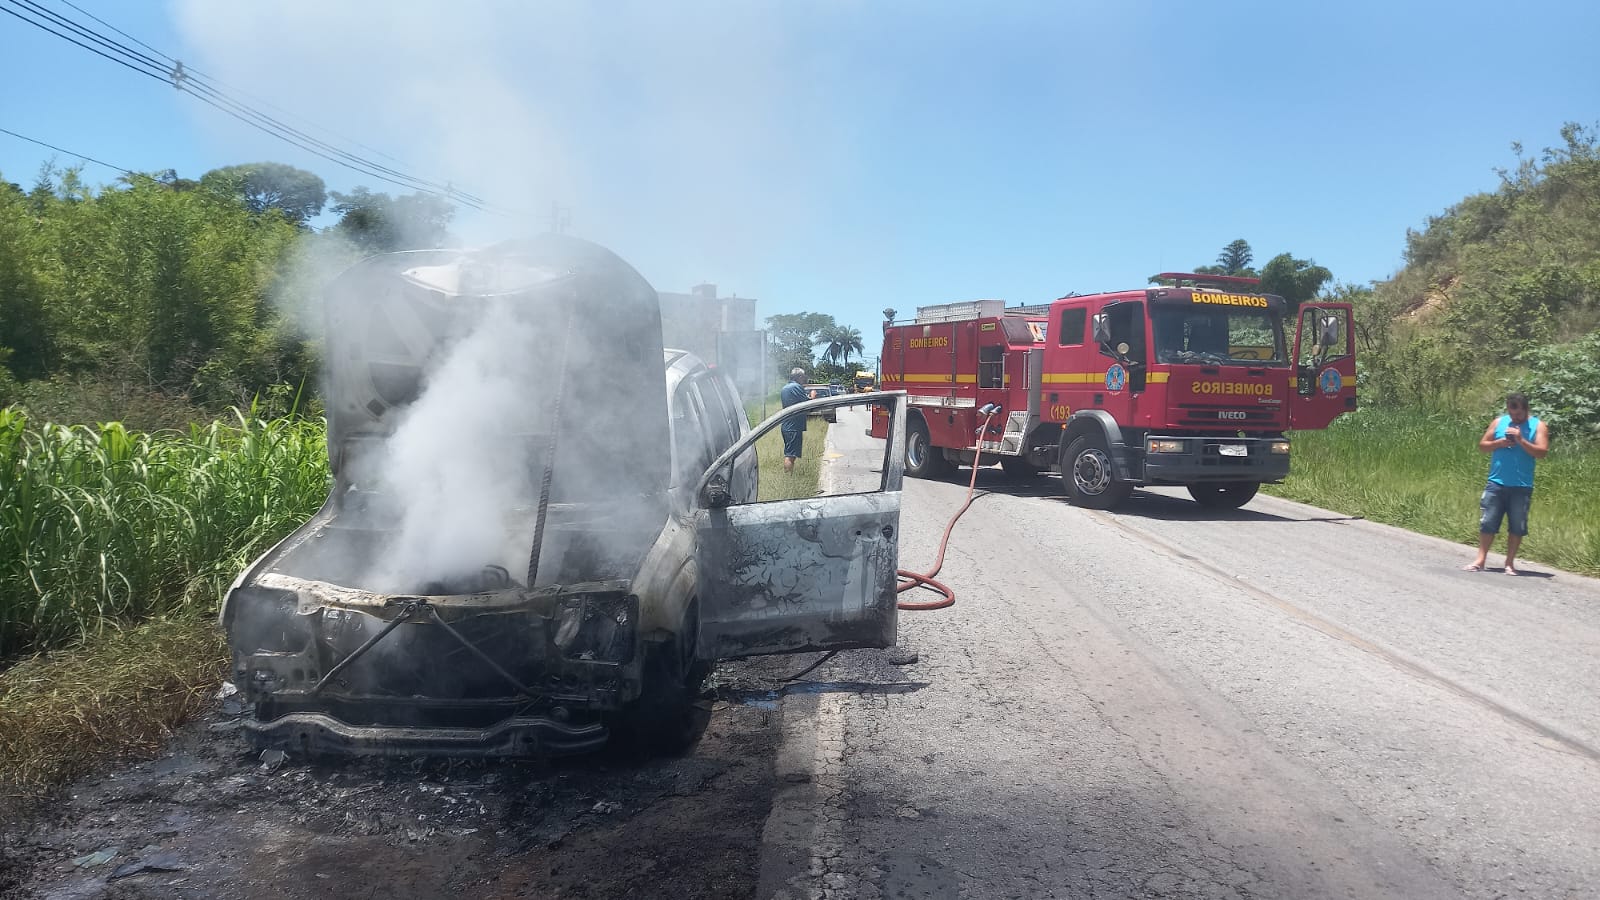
[(543, 527)]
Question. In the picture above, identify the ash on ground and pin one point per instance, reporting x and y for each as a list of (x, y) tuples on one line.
[(213, 818)]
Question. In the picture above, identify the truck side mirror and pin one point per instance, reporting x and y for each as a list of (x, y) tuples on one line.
[(1330, 334), (1101, 329)]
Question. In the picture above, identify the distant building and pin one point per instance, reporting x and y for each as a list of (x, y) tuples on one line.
[(720, 330)]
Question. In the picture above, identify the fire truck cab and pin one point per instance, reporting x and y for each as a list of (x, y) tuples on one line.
[(1192, 383)]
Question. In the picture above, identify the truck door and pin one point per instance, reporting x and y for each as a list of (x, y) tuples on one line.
[(994, 380), (807, 573), (1325, 365), (1123, 360)]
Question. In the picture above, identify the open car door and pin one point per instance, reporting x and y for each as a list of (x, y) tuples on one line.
[(784, 575), (1325, 365)]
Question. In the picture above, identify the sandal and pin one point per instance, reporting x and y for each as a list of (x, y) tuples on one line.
[(1512, 571), (1472, 567)]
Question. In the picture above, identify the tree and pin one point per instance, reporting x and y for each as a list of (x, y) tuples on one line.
[(795, 337), (298, 194), (1234, 259), (1295, 280), (378, 223), (842, 341)]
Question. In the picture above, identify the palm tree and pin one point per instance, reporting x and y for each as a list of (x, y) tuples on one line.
[(842, 342), (851, 343)]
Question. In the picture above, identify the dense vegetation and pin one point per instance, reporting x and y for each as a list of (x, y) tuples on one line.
[(161, 299), (104, 527), (1500, 291)]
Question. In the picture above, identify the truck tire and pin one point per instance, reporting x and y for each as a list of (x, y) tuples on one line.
[(1223, 494), (1087, 475), (923, 460), (1018, 467)]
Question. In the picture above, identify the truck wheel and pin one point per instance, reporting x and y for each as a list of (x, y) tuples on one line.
[(1223, 494), (1018, 467), (923, 460), (1087, 475)]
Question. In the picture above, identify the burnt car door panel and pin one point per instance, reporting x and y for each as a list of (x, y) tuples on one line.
[(813, 573)]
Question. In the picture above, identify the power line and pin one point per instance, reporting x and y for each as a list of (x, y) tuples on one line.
[(195, 84), (69, 38), (101, 162), (202, 75), (90, 34)]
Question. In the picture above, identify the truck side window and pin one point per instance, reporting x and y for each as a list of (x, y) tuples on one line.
[(1070, 333), (991, 366), (1127, 326)]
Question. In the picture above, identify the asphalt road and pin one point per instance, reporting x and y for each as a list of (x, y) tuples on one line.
[(1172, 702)]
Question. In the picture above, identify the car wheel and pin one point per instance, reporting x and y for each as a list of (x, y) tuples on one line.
[(923, 460), (1224, 494), (666, 720), (1088, 477)]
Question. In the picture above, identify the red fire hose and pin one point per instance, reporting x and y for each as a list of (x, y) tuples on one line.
[(925, 579)]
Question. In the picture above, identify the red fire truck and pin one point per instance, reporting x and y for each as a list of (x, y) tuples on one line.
[(1191, 383)]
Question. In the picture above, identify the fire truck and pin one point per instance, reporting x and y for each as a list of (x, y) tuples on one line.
[(1195, 382)]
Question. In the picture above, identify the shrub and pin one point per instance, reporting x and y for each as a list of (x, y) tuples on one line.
[(1563, 386)]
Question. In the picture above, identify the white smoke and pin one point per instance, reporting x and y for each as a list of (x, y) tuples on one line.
[(678, 135), (457, 466), (687, 137)]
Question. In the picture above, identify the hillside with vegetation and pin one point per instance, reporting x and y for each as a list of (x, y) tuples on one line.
[(1500, 291)]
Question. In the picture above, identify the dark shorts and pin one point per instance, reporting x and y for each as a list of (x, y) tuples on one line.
[(791, 443), (1501, 502)]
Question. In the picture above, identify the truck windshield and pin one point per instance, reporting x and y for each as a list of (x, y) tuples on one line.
[(1217, 336)]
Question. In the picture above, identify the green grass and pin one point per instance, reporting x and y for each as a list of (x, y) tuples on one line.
[(776, 484), (1422, 470), (773, 482), (103, 527)]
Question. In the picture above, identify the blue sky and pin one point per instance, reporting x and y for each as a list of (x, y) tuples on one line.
[(846, 156)]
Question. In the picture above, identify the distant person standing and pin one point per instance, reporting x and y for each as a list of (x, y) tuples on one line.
[(793, 427), (1517, 440)]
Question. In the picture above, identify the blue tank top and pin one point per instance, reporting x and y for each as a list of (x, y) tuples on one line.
[(1513, 466)]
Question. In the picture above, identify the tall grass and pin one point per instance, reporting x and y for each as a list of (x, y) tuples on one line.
[(101, 527), (1422, 470), (776, 484)]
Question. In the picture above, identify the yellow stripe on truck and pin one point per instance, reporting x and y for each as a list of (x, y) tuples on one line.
[(1097, 377), (923, 378)]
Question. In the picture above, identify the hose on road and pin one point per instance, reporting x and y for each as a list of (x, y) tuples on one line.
[(911, 580)]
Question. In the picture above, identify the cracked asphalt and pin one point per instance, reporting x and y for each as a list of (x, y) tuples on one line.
[(1160, 701), (1164, 701)]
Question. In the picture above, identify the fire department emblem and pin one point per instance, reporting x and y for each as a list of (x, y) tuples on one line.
[(1116, 378), (1331, 382)]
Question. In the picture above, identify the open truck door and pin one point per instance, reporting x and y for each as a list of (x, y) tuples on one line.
[(1325, 365), (786, 575)]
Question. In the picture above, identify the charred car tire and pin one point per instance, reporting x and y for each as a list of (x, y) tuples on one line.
[(923, 460), (1017, 467), (1223, 494), (1087, 474), (666, 720)]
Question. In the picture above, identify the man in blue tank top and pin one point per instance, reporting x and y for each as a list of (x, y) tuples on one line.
[(1516, 440)]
